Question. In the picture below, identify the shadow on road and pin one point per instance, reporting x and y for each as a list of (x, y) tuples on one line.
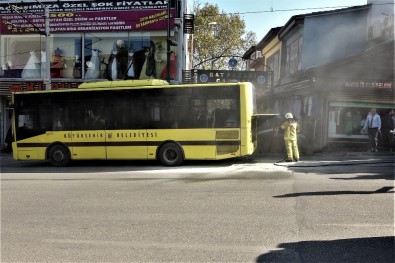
[(382, 190), (368, 171), (8, 165), (363, 250)]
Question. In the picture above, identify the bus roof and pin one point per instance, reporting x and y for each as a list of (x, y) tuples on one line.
[(127, 84), (123, 83)]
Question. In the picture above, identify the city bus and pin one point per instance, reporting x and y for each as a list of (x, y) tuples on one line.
[(135, 120)]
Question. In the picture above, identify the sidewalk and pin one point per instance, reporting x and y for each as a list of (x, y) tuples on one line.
[(330, 158)]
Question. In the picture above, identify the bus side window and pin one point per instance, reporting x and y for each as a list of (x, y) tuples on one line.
[(231, 119), (155, 113), (95, 119), (211, 121)]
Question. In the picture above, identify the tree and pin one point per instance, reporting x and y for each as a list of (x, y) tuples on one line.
[(218, 37)]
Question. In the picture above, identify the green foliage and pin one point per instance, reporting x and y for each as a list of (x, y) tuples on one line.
[(218, 37)]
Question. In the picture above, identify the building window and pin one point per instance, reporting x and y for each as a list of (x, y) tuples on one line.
[(294, 56), (274, 63)]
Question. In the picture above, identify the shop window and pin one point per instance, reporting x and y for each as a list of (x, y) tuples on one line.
[(122, 56), (24, 56), (66, 58), (21, 55), (346, 121), (115, 55)]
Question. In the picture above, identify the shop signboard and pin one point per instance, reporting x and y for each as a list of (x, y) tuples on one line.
[(39, 85), (34, 6), (261, 79), (85, 16), (369, 84), (366, 105)]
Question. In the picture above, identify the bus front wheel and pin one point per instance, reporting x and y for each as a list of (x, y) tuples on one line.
[(170, 154), (59, 155)]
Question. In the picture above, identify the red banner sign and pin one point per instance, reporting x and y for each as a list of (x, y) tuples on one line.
[(131, 20)]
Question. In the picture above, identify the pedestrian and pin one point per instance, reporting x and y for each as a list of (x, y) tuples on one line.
[(387, 125), (373, 126), (290, 127), (8, 141), (392, 141)]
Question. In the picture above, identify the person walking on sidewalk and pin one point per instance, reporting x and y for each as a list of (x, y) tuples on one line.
[(290, 127), (387, 125), (373, 126)]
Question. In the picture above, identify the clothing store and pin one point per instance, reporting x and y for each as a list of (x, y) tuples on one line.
[(350, 89), (89, 41)]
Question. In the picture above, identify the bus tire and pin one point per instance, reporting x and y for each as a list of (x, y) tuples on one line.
[(170, 154), (59, 155)]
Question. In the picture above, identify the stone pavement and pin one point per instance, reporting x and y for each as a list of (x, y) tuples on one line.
[(329, 158)]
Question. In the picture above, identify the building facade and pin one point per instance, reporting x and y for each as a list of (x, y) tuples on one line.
[(88, 41), (334, 67)]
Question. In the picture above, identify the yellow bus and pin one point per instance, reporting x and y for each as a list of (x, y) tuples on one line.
[(135, 119)]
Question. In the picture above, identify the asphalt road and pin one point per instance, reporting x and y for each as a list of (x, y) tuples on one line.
[(228, 211)]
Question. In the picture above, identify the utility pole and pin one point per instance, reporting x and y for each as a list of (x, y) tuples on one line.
[(168, 42), (47, 76)]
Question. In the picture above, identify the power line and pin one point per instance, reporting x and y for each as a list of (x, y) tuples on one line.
[(292, 10), (300, 9)]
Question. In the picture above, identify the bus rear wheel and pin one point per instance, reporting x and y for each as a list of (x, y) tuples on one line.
[(170, 154), (59, 155)]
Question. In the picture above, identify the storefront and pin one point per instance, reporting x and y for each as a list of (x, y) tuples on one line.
[(331, 102), (89, 41), (306, 104), (350, 88), (347, 111)]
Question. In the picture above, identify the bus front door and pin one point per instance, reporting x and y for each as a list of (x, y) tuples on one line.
[(89, 135)]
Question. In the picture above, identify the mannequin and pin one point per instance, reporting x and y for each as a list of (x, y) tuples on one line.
[(118, 61), (77, 67)]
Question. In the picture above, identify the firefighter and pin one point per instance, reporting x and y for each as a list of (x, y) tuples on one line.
[(290, 127)]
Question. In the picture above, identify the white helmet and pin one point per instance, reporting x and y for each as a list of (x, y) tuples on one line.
[(289, 116)]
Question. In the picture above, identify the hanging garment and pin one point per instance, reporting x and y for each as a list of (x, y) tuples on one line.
[(77, 68), (172, 68), (150, 70), (93, 71), (108, 71), (143, 74), (130, 74), (32, 68), (114, 69), (122, 56), (43, 63)]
